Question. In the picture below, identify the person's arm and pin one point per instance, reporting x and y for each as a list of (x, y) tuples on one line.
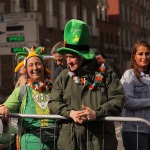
[(131, 102), (57, 106), (115, 97), (56, 102), (12, 103)]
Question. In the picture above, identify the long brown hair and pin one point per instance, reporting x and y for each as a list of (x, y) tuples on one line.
[(134, 65)]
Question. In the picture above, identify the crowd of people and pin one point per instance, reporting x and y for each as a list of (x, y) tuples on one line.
[(84, 89)]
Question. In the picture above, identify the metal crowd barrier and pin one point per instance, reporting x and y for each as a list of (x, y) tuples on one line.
[(55, 117)]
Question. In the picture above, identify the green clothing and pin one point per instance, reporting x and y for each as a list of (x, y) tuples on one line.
[(32, 103), (9, 137), (106, 100), (30, 141)]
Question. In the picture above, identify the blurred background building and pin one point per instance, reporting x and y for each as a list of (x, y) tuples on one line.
[(115, 25)]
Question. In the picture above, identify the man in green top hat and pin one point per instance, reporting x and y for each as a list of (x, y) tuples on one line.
[(84, 92)]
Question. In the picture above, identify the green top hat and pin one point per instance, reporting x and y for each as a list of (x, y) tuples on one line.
[(77, 40)]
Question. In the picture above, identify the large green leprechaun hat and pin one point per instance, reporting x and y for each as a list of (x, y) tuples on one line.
[(77, 40)]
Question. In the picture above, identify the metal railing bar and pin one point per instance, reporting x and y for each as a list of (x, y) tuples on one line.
[(126, 119), (53, 116), (16, 115)]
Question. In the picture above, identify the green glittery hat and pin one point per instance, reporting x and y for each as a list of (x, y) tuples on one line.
[(77, 40)]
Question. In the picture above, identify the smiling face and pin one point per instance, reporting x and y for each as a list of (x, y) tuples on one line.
[(35, 69), (73, 61), (142, 56)]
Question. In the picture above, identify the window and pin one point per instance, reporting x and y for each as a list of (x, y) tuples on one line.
[(126, 39), (15, 6), (132, 16), (144, 3), (104, 14), (49, 14), (129, 39), (49, 7), (93, 20), (63, 9), (98, 10), (74, 11), (148, 5), (0, 72), (107, 38), (33, 5), (101, 38), (142, 20), (128, 14), (1, 8), (95, 30), (136, 18), (123, 38), (116, 40), (111, 39), (84, 12), (122, 12), (140, 2), (62, 14)]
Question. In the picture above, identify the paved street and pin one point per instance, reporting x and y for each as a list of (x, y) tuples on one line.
[(118, 134)]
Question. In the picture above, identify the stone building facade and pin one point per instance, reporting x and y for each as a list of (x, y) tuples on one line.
[(115, 25)]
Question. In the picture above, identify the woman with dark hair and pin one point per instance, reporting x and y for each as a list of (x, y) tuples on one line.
[(35, 134), (136, 84)]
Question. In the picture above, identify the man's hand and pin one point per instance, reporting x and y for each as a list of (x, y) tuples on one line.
[(83, 115), (88, 113), (76, 118)]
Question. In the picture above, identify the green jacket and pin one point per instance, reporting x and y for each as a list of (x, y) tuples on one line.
[(106, 100), (13, 101)]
